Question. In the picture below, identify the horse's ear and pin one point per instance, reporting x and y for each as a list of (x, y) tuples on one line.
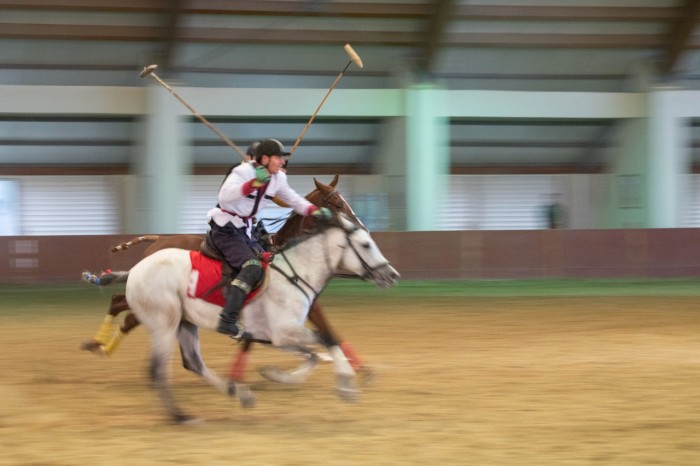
[(320, 186), (335, 181)]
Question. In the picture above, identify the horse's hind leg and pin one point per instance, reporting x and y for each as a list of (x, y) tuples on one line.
[(188, 337), (161, 352)]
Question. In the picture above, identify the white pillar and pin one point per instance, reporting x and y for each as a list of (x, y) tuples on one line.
[(649, 183), (162, 164), (669, 160), (391, 165)]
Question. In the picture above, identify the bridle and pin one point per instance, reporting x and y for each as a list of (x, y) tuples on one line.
[(368, 269), (340, 205), (332, 196), (333, 199), (295, 279)]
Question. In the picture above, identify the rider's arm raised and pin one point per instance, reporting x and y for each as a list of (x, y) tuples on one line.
[(237, 185)]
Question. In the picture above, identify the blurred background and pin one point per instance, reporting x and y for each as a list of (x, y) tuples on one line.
[(467, 115), (548, 141)]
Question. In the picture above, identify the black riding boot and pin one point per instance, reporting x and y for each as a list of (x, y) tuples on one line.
[(247, 278)]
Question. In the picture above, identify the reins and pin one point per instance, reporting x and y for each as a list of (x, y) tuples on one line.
[(295, 278)]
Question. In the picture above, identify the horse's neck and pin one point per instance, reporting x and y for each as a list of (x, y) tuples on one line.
[(296, 223), (291, 228), (315, 259)]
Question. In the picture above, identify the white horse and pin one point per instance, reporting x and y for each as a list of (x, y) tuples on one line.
[(157, 288)]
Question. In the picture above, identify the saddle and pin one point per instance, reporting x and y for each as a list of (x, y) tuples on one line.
[(209, 249), (211, 274)]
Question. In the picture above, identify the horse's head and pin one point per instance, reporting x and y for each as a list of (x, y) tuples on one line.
[(328, 196), (323, 196), (362, 256)]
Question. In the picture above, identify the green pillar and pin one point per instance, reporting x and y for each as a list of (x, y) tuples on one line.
[(427, 155)]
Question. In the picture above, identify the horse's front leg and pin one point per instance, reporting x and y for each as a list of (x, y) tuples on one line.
[(329, 337), (294, 376), (240, 362), (295, 338), (303, 339), (344, 374)]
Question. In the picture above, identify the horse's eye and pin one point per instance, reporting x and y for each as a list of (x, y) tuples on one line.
[(366, 245)]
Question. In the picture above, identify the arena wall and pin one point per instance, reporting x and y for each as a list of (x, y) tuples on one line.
[(417, 255)]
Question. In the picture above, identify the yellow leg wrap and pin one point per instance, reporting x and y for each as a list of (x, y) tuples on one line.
[(106, 329), (114, 343)]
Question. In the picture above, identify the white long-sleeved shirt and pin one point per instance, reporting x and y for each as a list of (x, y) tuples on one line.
[(236, 201)]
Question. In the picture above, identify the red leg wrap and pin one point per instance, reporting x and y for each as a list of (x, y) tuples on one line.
[(238, 366), (353, 358)]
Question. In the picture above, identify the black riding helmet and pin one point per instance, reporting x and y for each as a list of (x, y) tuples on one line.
[(270, 147), (250, 152)]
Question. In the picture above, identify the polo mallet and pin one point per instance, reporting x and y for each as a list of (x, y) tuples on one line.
[(150, 71), (354, 58)]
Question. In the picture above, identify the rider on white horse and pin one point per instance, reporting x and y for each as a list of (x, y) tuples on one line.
[(248, 188)]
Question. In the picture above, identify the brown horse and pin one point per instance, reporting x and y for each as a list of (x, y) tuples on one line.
[(108, 338)]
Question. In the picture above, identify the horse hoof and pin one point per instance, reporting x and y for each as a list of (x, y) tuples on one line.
[(247, 403), (347, 390), (367, 374), (245, 396), (186, 420), (94, 347), (349, 395), (274, 374)]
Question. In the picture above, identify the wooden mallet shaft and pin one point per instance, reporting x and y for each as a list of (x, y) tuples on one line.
[(354, 58), (150, 71)]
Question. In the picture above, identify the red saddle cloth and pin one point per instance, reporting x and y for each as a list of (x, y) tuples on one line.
[(206, 273)]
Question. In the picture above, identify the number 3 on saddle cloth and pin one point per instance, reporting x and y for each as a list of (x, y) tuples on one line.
[(206, 275)]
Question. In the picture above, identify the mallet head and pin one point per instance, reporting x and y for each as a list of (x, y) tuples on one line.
[(353, 55), (148, 70)]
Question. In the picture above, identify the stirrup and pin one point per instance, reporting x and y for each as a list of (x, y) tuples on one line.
[(234, 331), (240, 332)]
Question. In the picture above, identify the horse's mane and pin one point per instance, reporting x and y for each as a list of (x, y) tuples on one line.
[(295, 222), (298, 226), (318, 228)]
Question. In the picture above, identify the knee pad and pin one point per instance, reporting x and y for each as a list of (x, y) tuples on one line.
[(251, 273)]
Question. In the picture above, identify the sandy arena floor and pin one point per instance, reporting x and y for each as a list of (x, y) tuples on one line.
[(540, 381)]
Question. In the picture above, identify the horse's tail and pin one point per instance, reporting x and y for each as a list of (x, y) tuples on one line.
[(105, 278), (134, 242)]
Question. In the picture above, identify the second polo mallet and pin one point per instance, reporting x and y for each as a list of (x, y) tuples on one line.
[(354, 58)]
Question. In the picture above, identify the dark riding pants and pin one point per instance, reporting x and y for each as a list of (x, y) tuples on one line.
[(234, 244)]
